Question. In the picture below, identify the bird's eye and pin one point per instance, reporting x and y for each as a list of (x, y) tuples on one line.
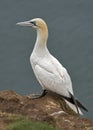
[(33, 22)]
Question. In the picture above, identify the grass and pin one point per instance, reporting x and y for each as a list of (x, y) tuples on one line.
[(21, 123)]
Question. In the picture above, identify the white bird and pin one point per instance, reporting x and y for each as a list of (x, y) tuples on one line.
[(51, 75)]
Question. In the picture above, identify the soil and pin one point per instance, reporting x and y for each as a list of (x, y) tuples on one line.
[(50, 108)]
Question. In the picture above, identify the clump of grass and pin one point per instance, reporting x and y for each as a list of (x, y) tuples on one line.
[(26, 124)]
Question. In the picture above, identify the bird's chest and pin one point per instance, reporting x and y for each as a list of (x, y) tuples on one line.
[(36, 59)]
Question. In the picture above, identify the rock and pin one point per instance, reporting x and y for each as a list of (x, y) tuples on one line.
[(51, 109)]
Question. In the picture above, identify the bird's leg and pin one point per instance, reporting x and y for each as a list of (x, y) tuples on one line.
[(36, 96)]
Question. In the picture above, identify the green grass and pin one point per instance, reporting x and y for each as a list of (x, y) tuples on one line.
[(25, 124)]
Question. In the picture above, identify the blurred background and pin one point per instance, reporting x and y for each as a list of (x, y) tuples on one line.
[(70, 40)]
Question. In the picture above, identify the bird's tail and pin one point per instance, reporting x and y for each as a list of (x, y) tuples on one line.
[(74, 104), (73, 107)]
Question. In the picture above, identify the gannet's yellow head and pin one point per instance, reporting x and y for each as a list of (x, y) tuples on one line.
[(38, 24)]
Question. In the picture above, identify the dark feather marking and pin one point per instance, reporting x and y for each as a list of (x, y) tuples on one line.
[(75, 102)]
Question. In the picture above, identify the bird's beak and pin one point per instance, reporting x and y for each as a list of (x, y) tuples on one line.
[(26, 23)]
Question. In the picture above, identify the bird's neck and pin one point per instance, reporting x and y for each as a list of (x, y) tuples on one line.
[(41, 40)]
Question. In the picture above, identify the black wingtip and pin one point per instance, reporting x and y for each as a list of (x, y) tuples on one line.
[(79, 104), (75, 102)]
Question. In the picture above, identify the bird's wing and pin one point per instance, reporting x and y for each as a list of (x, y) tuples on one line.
[(53, 77), (63, 73)]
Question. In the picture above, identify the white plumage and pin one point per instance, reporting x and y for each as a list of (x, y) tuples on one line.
[(49, 72)]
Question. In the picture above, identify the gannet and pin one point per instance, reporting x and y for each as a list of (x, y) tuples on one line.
[(51, 75)]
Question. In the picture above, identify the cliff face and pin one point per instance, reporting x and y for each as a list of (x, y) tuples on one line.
[(49, 109)]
